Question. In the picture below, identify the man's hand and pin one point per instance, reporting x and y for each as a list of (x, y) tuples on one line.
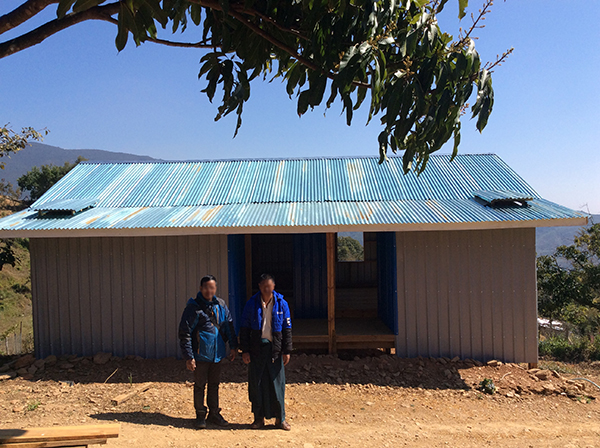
[(190, 364), (286, 359), (232, 354), (246, 358)]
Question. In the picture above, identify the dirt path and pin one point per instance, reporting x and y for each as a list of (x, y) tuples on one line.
[(362, 402)]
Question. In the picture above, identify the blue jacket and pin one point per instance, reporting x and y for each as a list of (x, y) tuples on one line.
[(281, 326), (199, 338)]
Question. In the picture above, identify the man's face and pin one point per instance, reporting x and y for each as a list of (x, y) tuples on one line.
[(209, 289), (266, 288)]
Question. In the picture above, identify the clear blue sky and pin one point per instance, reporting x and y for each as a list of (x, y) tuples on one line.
[(147, 100)]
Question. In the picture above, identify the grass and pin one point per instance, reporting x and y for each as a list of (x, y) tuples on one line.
[(15, 298), (33, 405), (559, 367)]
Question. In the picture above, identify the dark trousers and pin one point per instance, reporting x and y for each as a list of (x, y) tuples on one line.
[(206, 373)]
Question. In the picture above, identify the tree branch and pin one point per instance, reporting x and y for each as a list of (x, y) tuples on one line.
[(23, 13), (168, 43), (48, 29)]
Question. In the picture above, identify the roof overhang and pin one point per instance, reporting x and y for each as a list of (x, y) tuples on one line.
[(180, 231)]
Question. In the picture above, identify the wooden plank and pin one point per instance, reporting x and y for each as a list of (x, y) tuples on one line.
[(331, 292), (62, 443), (60, 433), (248, 257), (124, 397)]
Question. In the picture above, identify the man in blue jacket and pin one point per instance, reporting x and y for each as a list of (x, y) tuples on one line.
[(266, 343), (206, 325)]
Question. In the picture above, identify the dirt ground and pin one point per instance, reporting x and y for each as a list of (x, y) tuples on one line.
[(367, 400)]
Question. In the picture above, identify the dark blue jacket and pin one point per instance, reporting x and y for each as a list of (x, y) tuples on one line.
[(281, 326), (198, 337)]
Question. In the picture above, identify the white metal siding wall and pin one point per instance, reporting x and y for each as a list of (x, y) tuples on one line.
[(119, 295), (468, 293)]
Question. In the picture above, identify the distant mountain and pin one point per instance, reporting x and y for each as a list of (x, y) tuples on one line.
[(39, 154), (547, 239)]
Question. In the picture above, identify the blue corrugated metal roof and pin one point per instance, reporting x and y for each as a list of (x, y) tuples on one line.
[(318, 192)]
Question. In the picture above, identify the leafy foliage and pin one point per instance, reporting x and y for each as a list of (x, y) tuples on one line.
[(390, 56), (11, 141), (487, 386), (349, 249), (37, 181)]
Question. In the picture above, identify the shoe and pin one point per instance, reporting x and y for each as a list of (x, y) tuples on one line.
[(200, 423), (283, 425), (258, 423), (217, 419)]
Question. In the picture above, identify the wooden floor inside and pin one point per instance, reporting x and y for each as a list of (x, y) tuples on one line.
[(351, 333)]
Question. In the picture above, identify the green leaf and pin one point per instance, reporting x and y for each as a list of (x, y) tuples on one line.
[(462, 6), (303, 102), (63, 8), (83, 5)]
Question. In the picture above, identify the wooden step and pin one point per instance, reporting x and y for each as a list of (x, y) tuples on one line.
[(56, 436)]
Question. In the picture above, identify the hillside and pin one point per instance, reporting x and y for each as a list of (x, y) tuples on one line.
[(547, 239), (39, 154)]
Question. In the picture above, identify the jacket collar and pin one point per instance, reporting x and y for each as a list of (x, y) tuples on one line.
[(276, 297), (200, 300)]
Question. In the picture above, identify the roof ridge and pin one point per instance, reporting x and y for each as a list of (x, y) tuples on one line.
[(266, 159)]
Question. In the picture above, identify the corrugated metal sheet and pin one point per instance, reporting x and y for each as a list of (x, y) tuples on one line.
[(66, 205), (284, 193), (177, 184), (119, 295), (470, 294), (291, 215), (495, 196)]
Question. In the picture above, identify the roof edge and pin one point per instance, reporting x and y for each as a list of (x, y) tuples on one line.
[(179, 231)]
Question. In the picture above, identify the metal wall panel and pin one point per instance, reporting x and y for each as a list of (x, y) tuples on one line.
[(119, 295), (470, 294), (310, 276)]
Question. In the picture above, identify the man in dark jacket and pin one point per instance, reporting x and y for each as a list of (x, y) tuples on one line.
[(266, 343), (206, 325)]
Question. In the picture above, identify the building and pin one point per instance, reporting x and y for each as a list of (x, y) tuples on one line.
[(448, 267)]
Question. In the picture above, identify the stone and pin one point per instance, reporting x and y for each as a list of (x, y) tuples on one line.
[(49, 360), (32, 369), (549, 389), (5, 368), (7, 376), (24, 361), (543, 374), (22, 371), (477, 363), (102, 358), (138, 358), (494, 363), (39, 363), (65, 366), (130, 357), (455, 359)]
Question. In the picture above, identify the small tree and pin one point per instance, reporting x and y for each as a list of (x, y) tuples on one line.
[(349, 249), (10, 143), (39, 180)]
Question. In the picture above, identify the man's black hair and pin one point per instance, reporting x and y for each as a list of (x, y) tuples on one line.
[(207, 278), (265, 277)]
